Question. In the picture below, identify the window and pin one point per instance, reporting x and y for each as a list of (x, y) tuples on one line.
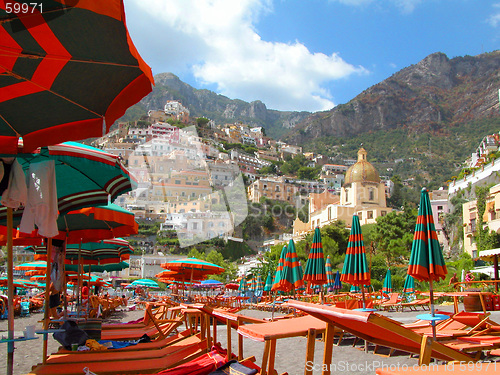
[(440, 208), (360, 215), (383, 213), (371, 195), (370, 214), (177, 182)]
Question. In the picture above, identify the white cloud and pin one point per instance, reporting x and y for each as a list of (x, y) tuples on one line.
[(217, 39), (494, 19)]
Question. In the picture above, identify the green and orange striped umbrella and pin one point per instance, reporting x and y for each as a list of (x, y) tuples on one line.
[(330, 280), (292, 271), (315, 271), (409, 285), (355, 270), (269, 283), (279, 270), (426, 259), (387, 286)]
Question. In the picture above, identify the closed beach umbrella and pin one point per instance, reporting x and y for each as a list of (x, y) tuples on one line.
[(330, 279), (279, 270), (259, 286), (409, 285), (269, 283), (426, 259), (243, 286), (387, 287), (355, 270), (315, 271), (337, 285), (292, 271)]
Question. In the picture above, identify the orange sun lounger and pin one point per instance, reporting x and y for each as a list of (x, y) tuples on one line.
[(135, 363), (379, 330), (271, 331), (163, 329)]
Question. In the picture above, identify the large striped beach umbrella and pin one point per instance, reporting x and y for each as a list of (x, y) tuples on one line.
[(243, 286), (259, 286), (409, 285), (292, 271), (330, 280), (315, 271), (279, 271), (355, 270), (387, 287), (426, 259)]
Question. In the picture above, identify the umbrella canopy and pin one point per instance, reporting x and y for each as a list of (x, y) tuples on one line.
[(315, 271), (211, 283), (426, 259), (74, 66), (337, 285), (330, 280), (232, 286), (292, 271), (387, 286), (278, 276), (269, 283), (146, 283), (36, 265), (409, 285), (355, 270), (189, 265), (355, 289)]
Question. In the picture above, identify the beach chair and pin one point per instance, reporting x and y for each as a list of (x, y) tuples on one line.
[(379, 330), (413, 305), (394, 302), (162, 329)]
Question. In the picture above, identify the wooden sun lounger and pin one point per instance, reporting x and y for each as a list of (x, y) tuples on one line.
[(379, 330), (136, 363), (155, 344), (162, 329), (416, 303)]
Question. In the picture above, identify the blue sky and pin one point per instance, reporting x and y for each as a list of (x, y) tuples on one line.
[(304, 54)]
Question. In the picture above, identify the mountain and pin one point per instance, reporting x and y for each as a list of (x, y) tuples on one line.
[(221, 109), (430, 96)]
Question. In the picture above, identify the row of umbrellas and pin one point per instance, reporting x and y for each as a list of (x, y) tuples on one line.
[(426, 260)]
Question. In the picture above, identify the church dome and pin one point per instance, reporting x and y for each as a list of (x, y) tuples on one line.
[(362, 171)]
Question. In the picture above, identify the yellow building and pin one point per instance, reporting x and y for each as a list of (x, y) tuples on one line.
[(363, 194)]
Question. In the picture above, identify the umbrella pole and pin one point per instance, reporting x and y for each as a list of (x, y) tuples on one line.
[(10, 302), (433, 323), (47, 298), (79, 281), (363, 296)]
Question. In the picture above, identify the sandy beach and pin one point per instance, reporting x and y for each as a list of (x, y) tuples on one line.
[(290, 356)]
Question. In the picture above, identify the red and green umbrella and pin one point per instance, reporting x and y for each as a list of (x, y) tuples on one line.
[(70, 71), (426, 259), (292, 271), (279, 270), (409, 285), (387, 286), (315, 271), (243, 286), (355, 270)]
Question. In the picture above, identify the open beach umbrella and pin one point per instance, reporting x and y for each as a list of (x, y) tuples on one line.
[(279, 270), (426, 259), (211, 283), (409, 284), (387, 286), (330, 280), (292, 278), (70, 71), (355, 289), (315, 271), (269, 283), (355, 270), (337, 285), (146, 283)]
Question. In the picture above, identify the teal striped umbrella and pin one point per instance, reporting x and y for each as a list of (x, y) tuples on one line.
[(330, 280), (243, 286), (426, 259), (259, 286), (355, 270), (269, 283), (315, 271), (279, 270), (292, 271), (409, 285), (146, 283), (387, 287), (355, 289)]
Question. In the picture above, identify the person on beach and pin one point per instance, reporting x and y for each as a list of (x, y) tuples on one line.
[(85, 292), (469, 277), (54, 301)]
